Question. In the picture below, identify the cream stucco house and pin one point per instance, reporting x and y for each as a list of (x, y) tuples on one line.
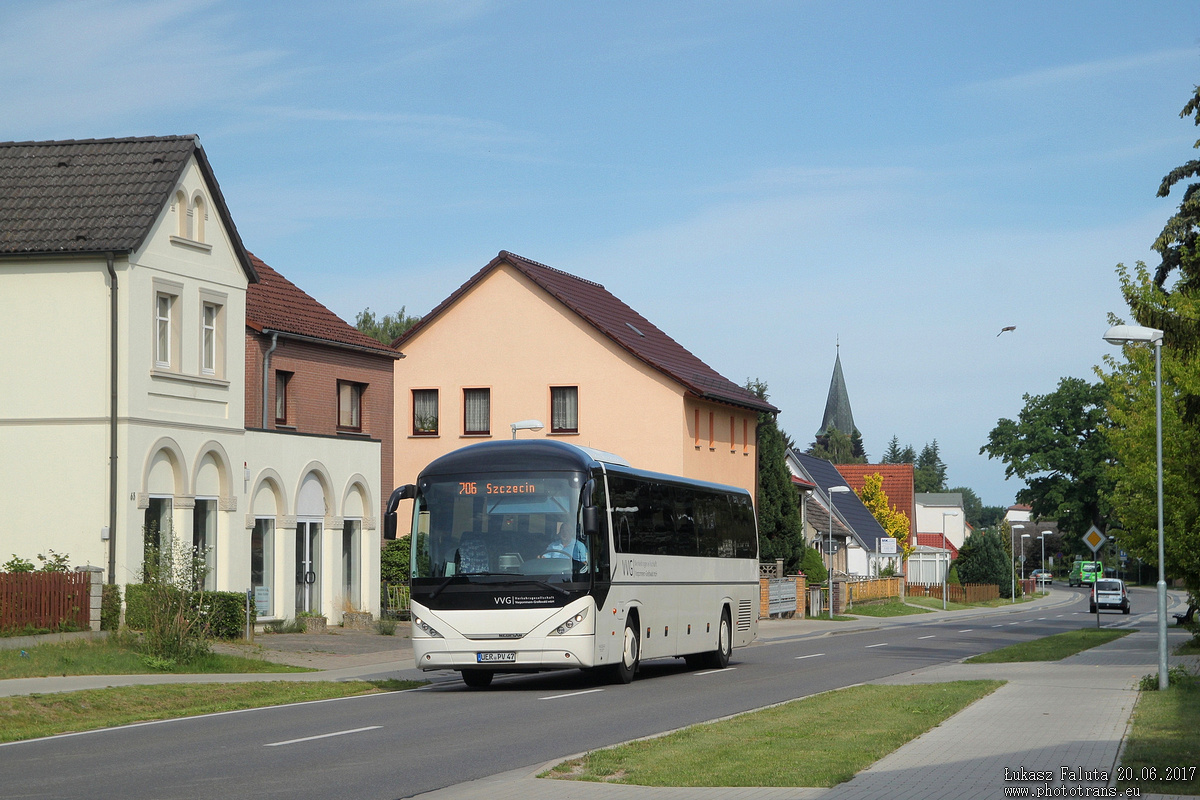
[(522, 341), (123, 290)]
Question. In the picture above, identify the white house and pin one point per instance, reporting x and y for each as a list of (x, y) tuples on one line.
[(123, 287)]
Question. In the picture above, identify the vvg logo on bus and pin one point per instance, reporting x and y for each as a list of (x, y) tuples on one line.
[(512, 601), (634, 568)]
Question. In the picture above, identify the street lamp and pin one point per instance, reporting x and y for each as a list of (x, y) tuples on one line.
[(1042, 539), (1133, 334), (946, 574), (1012, 564), (1024, 536), (525, 425), (832, 491)]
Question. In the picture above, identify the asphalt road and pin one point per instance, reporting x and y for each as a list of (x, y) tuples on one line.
[(402, 744)]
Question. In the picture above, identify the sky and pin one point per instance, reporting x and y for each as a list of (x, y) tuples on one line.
[(764, 181)]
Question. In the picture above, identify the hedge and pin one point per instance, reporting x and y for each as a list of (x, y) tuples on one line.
[(110, 607), (226, 611)]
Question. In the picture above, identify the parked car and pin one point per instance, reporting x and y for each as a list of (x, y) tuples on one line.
[(1042, 576), (1110, 593)]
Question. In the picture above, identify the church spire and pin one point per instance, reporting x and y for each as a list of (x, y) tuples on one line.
[(837, 404)]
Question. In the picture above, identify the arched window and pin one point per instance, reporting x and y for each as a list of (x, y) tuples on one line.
[(181, 214), (199, 213)]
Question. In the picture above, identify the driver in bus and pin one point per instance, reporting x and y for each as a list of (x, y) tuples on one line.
[(565, 545)]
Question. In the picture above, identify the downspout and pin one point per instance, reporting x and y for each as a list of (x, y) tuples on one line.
[(266, 377), (112, 424)]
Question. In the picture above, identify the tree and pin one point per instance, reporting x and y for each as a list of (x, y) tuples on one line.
[(813, 566), (892, 454), (1131, 433), (838, 448), (386, 329), (780, 530), (981, 560), (895, 523), (972, 506), (929, 472), (1058, 447)]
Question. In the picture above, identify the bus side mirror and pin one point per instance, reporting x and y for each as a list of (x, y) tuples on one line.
[(405, 492), (591, 521)]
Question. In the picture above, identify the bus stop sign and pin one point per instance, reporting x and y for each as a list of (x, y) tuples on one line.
[(1094, 538)]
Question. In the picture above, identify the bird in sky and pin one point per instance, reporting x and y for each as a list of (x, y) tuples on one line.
[(1007, 328)]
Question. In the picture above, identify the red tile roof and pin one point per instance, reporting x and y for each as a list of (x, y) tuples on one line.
[(277, 304), (620, 323), (935, 540), (897, 485)]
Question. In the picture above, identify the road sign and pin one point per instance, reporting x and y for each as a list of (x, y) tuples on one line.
[(1094, 538)]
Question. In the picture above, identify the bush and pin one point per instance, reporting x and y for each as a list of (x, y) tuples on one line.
[(137, 606), (394, 561), (176, 627), (813, 567), (225, 613), (110, 608)]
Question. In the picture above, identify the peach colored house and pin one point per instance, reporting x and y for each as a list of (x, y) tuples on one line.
[(521, 341)]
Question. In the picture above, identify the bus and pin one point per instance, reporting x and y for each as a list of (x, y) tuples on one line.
[(541, 555)]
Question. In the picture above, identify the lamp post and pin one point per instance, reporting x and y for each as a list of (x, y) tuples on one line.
[(946, 574), (525, 425), (1012, 563), (1042, 539), (832, 491), (1132, 334), (1024, 536)]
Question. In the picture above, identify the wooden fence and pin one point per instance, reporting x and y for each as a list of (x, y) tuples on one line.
[(955, 593), (45, 600), (873, 589)]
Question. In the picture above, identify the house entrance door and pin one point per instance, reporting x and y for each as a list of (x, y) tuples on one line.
[(308, 567)]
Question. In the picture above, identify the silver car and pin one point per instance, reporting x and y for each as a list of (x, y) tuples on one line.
[(1110, 593)]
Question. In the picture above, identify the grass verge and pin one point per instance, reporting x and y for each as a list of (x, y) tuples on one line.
[(1051, 648), (890, 608), (1162, 750), (872, 721), (935, 603), (35, 715), (110, 658)]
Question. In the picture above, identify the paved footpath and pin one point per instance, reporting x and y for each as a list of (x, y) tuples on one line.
[(1072, 713)]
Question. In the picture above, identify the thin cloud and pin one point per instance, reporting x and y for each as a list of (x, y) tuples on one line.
[(1078, 73)]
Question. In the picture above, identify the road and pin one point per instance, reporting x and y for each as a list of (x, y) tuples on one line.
[(402, 744)]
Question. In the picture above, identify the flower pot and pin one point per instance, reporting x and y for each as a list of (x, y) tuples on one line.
[(357, 620), (314, 624)]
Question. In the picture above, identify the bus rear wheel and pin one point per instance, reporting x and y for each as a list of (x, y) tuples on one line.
[(477, 678), (719, 658), (631, 648)]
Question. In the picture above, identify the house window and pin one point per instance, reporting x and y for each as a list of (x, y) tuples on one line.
[(477, 412), (350, 405), (164, 316), (425, 412), (204, 542), (282, 379), (208, 339), (262, 563), (564, 409), (351, 563)]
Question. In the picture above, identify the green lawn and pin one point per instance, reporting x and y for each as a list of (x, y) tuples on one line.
[(889, 608), (31, 716), (1051, 648), (827, 739), (1162, 751), (106, 657), (936, 602)]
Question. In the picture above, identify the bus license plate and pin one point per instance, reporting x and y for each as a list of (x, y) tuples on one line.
[(492, 658)]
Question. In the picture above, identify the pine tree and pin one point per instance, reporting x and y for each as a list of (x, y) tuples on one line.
[(892, 454), (930, 472), (780, 531)]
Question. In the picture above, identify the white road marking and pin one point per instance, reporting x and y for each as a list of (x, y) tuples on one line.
[(1018, 622), (966, 630), (570, 694), (323, 736), (930, 636), (813, 655), (713, 671), (881, 644)]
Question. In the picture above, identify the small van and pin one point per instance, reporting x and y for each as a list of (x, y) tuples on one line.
[(1109, 593), (1084, 573)]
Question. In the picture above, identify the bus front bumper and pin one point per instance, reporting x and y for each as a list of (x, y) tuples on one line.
[(558, 652)]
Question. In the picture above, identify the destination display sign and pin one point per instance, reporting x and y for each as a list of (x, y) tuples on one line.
[(500, 487)]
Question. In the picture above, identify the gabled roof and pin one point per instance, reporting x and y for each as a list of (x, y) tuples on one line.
[(935, 541), (897, 485), (277, 304), (620, 323), (96, 195), (824, 474)]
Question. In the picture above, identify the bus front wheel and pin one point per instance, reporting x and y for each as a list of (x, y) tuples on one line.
[(719, 658), (477, 678), (630, 653)]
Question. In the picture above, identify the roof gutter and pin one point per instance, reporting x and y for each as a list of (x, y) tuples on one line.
[(300, 337), (112, 421)]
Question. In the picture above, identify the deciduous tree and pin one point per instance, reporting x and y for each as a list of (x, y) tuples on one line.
[(387, 328), (894, 522)]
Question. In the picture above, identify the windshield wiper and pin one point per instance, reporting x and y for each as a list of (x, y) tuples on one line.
[(438, 589)]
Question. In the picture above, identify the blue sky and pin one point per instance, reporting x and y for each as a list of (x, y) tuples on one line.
[(760, 179)]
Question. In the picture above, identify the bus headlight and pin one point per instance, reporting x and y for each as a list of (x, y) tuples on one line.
[(426, 628), (571, 623)]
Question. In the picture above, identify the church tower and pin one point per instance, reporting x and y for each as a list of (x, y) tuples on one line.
[(837, 404)]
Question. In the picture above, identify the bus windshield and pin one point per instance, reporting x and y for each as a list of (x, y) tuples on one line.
[(504, 525)]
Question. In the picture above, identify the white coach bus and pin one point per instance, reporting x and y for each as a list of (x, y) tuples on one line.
[(539, 555)]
